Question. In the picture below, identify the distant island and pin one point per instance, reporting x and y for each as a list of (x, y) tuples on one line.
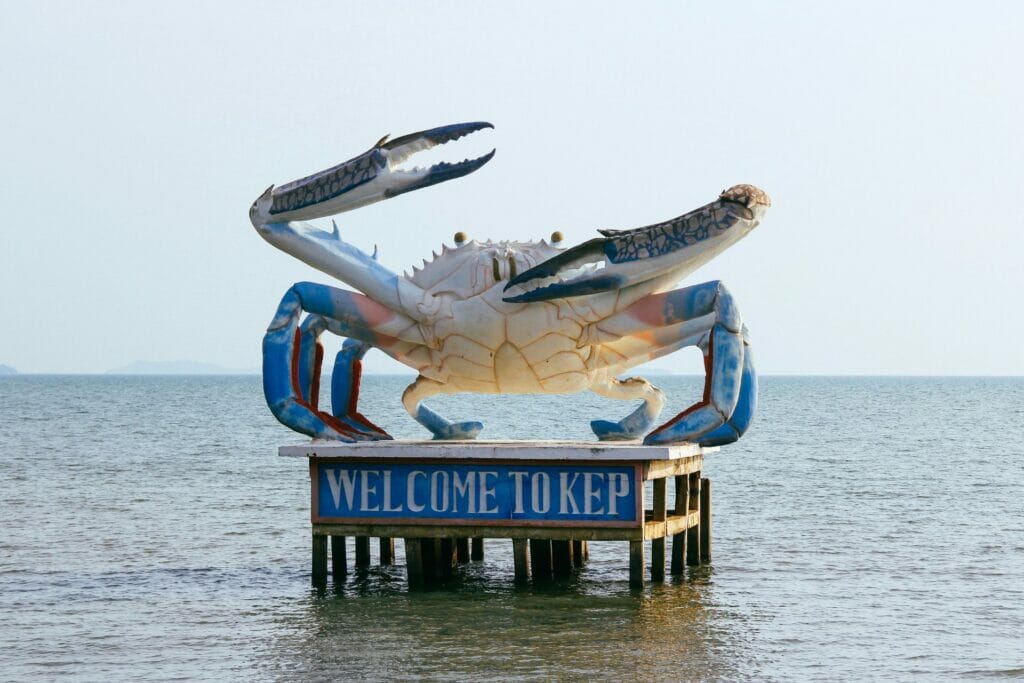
[(7, 370), (177, 367)]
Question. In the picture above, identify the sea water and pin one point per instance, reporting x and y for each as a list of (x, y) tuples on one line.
[(866, 528)]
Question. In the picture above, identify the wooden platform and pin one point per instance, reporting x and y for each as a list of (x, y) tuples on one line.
[(414, 490)]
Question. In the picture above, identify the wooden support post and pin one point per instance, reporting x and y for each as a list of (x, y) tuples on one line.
[(586, 551), (414, 561), (705, 520), (462, 550), (362, 552), (577, 553), (658, 544), (540, 559), (478, 550), (430, 548), (561, 558), (679, 540), (319, 560), (636, 564), (387, 551), (693, 533), (520, 557), (446, 558), (339, 562)]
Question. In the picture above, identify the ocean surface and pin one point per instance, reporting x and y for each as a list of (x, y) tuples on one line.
[(866, 528)]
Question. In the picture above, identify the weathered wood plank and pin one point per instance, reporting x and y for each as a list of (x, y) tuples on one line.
[(521, 559), (636, 564), (319, 560), (387, 551), (483, 531), (541, 564), (478, 550), (493, 450), (659, 469), (362, 552), (705, 520), (339, 560)]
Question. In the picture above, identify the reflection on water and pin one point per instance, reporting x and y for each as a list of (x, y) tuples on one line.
[(480, 625), (866, 527)]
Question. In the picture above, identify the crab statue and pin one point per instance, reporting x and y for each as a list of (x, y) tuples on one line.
[(503, 317)]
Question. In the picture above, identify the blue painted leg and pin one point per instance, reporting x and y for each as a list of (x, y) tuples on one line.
[(737, 425), (640, 420), (292, 355), (348, 370), (442, 428)]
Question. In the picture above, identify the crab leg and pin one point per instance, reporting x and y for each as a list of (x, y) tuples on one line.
[(292, 355), (440, 427), (640, 420), (704, 315)]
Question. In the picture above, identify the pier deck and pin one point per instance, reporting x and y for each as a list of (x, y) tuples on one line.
[(550, 498)]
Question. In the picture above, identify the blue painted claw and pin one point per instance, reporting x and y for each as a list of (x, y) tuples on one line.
[(367, 178)]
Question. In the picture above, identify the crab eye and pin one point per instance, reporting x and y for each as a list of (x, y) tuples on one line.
[(460, 237), (556, 237)]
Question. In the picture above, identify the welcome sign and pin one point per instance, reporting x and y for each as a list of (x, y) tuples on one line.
[(489, 492)]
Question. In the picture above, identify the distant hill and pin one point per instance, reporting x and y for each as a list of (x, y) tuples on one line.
[(7, 370), (177, 367)]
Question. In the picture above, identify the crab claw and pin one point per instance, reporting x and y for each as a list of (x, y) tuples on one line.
[(368, 178), (621, 258)]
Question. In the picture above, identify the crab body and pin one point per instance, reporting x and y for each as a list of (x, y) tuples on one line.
[(503, 317)]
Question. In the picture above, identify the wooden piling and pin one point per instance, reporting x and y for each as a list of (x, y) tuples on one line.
[(693, 533), (636, 564), (658, 544), (521, 559), (682, 506), (414, 561), (362, 552), (462, 550), (561, 558), (446, 559), (541, 566), (319, 560), (705, 520), (577, 553), (339, 561), (429, 550), (478, 550), (387, 551)]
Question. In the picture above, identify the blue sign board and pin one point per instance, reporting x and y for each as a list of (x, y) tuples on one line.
[(581, 494)]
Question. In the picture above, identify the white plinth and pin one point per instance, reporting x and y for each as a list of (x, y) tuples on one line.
[(495, 450)]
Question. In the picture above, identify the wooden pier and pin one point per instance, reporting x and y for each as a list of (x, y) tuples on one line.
[(549, 498)]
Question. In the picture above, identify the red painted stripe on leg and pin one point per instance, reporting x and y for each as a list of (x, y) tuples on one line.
[(708, 362), (314, 391)]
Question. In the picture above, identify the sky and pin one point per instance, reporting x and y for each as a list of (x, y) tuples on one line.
[(890, 136)]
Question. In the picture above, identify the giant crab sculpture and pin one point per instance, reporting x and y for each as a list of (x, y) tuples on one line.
[(503, 317)]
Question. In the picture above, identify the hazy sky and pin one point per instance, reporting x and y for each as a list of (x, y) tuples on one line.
[(135, 136)]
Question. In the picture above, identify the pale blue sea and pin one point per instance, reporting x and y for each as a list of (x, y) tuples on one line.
[(865, 529)]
